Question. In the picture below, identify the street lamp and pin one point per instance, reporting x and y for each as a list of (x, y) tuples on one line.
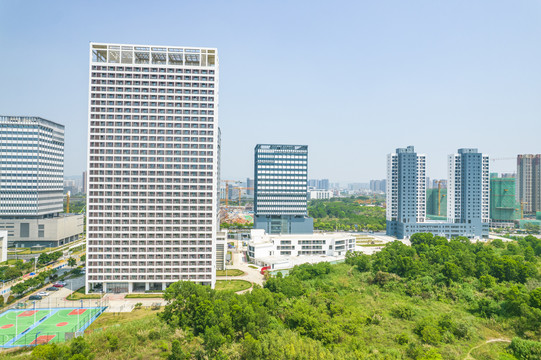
[(36, 339)]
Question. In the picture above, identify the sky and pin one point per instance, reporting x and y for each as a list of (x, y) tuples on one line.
[(353, 80)]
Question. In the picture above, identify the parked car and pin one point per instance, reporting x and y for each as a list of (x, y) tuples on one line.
[(35, 297), (43, 293), (52, 288), (58, 285)]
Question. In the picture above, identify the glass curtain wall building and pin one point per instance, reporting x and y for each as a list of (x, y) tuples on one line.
[(152, 166), (281, 185), (31, 167)]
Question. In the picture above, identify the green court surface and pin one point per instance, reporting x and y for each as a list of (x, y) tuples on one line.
[(31, 327)]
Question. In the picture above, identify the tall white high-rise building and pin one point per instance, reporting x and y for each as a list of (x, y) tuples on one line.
[(153, 166), (468, 188), (406, 188)]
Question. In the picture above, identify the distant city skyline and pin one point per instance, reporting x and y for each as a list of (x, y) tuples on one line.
[(378, 75)]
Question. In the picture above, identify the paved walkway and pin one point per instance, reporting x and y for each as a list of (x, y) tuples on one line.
[(239, 262)]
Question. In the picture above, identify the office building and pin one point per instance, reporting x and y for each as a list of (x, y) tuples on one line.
[(281, 184), (153, 166), (32, 183), (528, 182), (467, 195)]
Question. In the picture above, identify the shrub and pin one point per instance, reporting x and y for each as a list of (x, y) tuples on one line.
[(402, 339), (403, 312), (526, 349), (112, 342)]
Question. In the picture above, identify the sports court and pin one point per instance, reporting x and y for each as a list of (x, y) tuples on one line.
[(41, 326)]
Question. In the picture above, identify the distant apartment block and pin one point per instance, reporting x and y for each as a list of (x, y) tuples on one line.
[(31, 183), (528, 182), (319, 184), (84, 183), (250, 184), (153, 166), (281, 184), (468, 195), (378, 185)]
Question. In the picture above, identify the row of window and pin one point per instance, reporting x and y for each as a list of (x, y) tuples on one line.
[(152, 69)]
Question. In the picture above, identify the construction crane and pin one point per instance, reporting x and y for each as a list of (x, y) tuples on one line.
[(68, 202), (522, 209), (227, 189), (243, 188), (503, 158), (439, 182)]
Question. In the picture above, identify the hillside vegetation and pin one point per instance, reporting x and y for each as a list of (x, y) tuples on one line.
[(346, 214), (437, 299)]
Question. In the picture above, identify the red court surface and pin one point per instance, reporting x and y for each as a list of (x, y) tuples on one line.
[(7, 326), (77, 312), (27, 313), (43, 339), (62, 324)]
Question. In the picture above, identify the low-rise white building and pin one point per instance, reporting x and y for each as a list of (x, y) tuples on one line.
[(320, 194), (286, 250)]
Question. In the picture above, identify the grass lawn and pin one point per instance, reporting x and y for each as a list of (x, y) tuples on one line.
[(253, 267), (114, 319), (80, 294), (230, 272), (144, 296), (232, 285)]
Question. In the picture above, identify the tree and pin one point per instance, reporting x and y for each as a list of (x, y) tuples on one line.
[(83, 258), (535, 298), (176, 352), (72, 262)]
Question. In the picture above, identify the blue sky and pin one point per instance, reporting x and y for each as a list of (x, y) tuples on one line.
[(352, 79)]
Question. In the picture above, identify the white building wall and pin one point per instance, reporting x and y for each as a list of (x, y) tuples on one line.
[(320, 194), (152, 166), (3, 246)]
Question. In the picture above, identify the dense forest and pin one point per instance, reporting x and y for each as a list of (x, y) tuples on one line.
[(346, 214), (436, 299)]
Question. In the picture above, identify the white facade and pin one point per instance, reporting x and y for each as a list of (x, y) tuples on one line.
[(31, 167), (320, 194), (152, 166), (265, 248), (3, 246)]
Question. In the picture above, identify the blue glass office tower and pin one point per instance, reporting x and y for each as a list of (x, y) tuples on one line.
[(280, 185)]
